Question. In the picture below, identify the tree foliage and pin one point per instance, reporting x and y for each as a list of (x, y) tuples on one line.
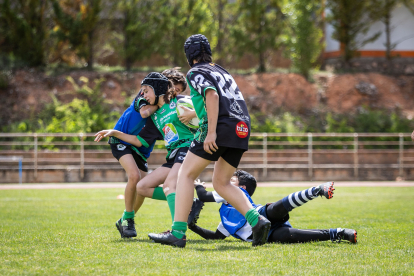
[(23, 31), (258, 27), (75, 24), (304, 41), (349, 20)]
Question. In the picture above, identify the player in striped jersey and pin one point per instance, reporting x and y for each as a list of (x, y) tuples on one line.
[(234, 224)]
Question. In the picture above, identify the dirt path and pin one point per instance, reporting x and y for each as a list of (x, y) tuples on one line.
[(209, 185)]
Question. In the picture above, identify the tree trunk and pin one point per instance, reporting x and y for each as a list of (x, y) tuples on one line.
[(90, 55), (219, 48), (128, 61), (387, 35)]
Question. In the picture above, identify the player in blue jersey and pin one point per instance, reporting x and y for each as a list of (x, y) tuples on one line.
[(234, 224), (134, 159)]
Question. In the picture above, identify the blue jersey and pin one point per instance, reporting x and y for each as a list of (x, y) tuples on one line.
[(131, 122), (231, 219)]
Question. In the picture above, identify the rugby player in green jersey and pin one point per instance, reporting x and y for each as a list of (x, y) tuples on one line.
[(158, 90), (223, 136)]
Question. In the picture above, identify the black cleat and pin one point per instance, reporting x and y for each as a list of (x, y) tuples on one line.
[(326, 189), (260, 231), (126, 228), (347, 234), (167, 238), (195, 212)]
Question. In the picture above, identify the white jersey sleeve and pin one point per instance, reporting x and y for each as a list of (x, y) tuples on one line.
[(218, 198), (223, 230)]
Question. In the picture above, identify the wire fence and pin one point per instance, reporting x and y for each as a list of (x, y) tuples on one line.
[(51, 151)]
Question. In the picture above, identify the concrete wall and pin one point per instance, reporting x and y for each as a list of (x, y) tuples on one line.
[(336, 165)]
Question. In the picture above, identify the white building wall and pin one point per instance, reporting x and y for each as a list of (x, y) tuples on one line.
[(402, 28)]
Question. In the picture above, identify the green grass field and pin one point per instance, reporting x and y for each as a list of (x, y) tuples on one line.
[(72, 232)]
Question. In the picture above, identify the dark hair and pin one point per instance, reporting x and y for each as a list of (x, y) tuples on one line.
[(175, 76), (171, 93), (203, 57), (246, 179)]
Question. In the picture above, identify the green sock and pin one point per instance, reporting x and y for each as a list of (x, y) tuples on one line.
[(179, 228), (252, 217), (128, 215), (171, 204), (158, 194)]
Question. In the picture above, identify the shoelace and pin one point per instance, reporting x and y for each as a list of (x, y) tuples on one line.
[(131, 224)]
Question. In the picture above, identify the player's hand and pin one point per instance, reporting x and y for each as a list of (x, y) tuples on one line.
[(412, 136), (105, 133), (210, 143), (198, 183), (188, 114)]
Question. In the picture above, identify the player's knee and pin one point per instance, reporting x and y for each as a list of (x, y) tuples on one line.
[(134, 177)]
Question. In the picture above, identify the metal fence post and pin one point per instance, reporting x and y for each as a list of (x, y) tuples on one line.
[(401, 156), (264, 155), (82, 156), (356, 161), (310, 161), (20, 170), (35, 156)]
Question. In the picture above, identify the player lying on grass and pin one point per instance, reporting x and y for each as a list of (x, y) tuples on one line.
[(158, 91), (234, 224)]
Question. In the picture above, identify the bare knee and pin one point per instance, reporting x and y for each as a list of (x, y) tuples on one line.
[(134, 177)]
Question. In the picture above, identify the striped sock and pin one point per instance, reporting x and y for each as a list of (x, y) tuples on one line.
[(299, 198)]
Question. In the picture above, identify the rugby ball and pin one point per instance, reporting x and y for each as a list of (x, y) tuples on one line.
[(188, 103)]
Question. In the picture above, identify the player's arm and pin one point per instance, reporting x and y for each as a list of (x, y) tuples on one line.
[(207, 234), (131, 139), (148, 110), (202, 193), (143, 107), (212, 106)]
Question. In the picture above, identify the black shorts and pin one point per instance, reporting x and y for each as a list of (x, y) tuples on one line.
[(119, 150), (178, 157), (230, 155)]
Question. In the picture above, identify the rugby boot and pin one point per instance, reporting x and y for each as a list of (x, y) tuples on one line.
[(326, 189), (167, 238), (195, 212), (347, 234), (260, 231), (126, 228)]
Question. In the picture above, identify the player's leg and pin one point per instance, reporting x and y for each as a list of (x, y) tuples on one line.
[(299, 198), (139, 200), (126, 225), (292, 235), (223, 171), (169, 187), (191, 168), (149, 185)]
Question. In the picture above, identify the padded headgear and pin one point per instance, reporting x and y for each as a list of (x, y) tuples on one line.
[(158, 82), (194, 46)]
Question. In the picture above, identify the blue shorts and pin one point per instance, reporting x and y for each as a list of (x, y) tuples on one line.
[(275, 225)]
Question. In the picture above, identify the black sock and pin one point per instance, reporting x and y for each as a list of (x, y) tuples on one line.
[(292, 235)]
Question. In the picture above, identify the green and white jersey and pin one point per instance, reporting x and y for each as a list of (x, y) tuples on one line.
[(176, 134), (233, 123)]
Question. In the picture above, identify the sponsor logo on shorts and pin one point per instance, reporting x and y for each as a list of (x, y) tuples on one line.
[(172, 105), (146, 165), (192, 144), (121, 147), (242, 130), (181, 158)]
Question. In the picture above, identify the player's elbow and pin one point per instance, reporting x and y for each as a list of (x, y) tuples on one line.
[(144, 114)]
